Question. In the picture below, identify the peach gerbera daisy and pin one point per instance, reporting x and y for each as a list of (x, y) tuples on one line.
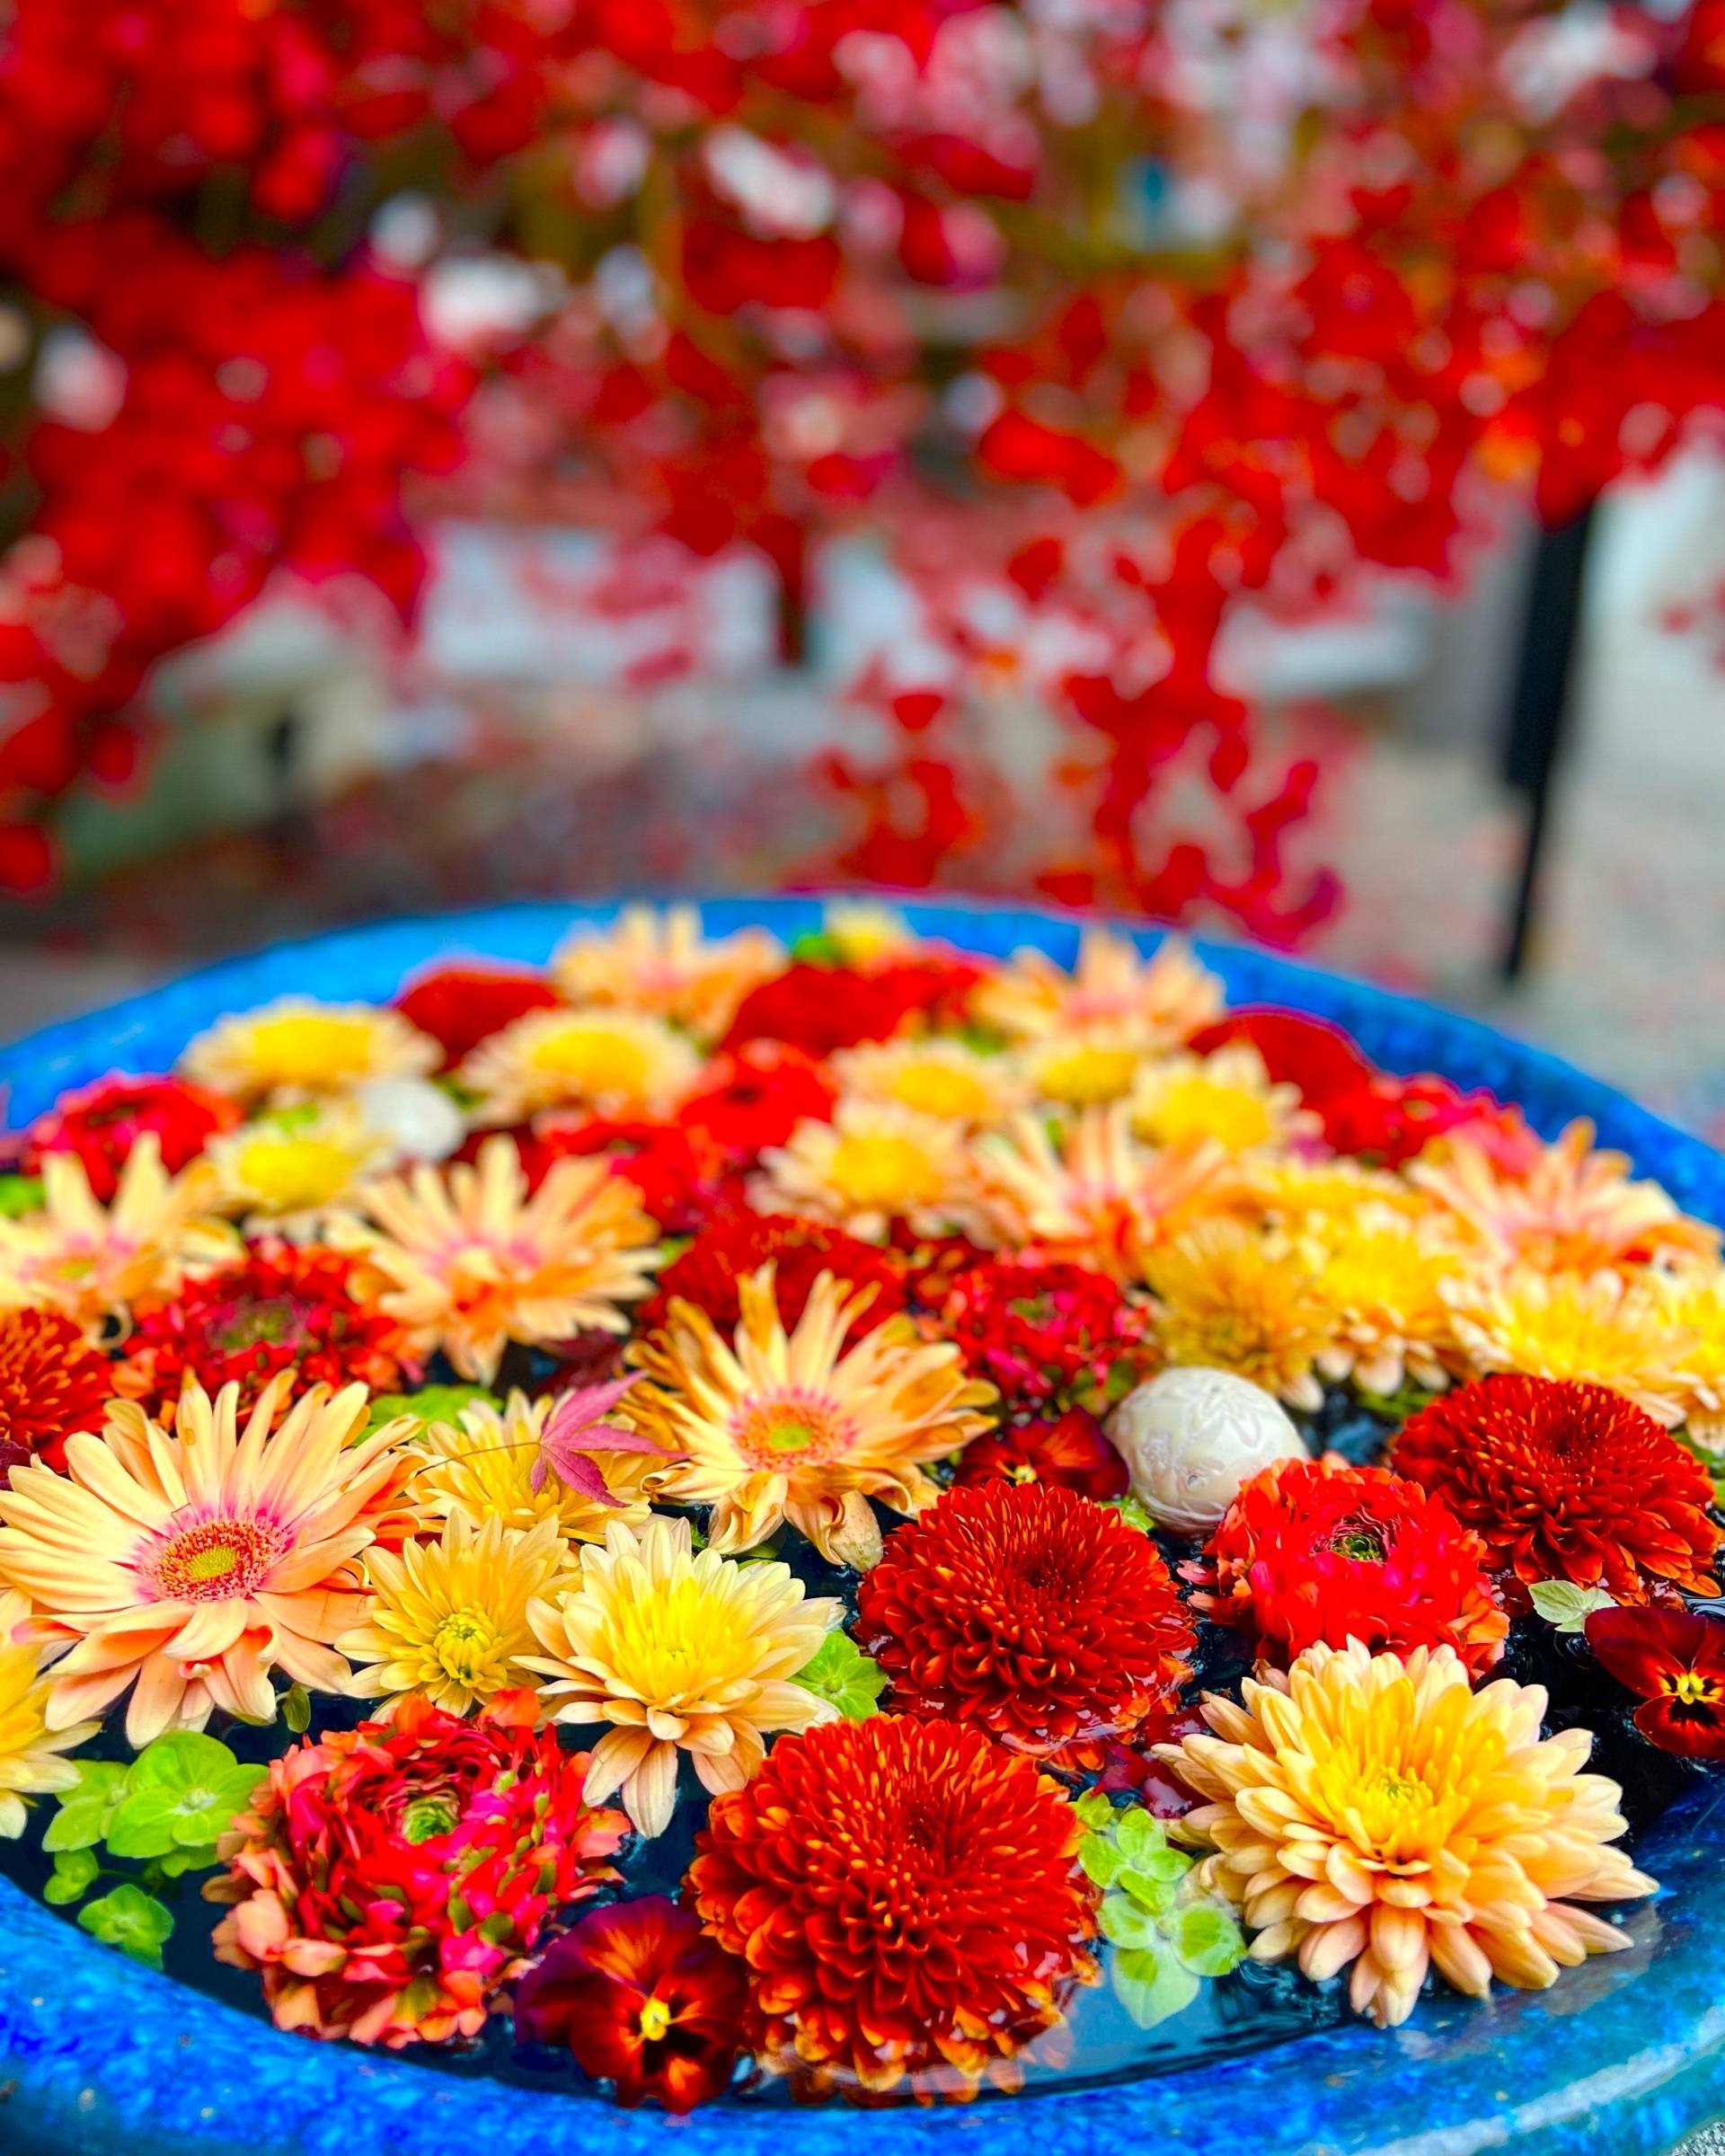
[(1234, 1298), (1379, 1813), (1381, 1278), (875, 1163), (1573, 1210), (468, 1262), (187, 1565), (93, 1262), (1154, 1003), (614, 1062), (662, 964), (1102, 1200), (1600, 1329), (296, 1049), (484, 1463), (678, 1653), (30, 1753), (781, 1428), (934, 1076), (1226, 1096)]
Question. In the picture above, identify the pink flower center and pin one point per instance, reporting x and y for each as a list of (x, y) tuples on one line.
[(796, 1429), (212, 1560)]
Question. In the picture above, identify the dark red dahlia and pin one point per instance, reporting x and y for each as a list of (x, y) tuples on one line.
[(1567, 1482), (101, 1123), (1314, 1550), (757, 1098), (1674, 1661), (1073, 1453), (1029, 1611), (735, 1244), (460, 1005), (388, 1879), (1047, 1334), (823, 1008), (644, 1998), (905, 1896), (285, 1308), (52, 1383)]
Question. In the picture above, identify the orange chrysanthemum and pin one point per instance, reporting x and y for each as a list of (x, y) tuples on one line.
[(51, 1384), (905, 1896), (1567, 1482)]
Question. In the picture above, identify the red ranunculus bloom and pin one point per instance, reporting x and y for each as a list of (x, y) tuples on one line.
[(460, 1005), (678, 1174), (757, 1098), (51, 1384), (100, 1123), (1674, 1660), (388, 1879), (821, 1008), (1026, 1609), (1316, 1551), (285, 1308), (644, 1998), (906, 1895), (1566, 1481), (1073, 1453), (1044, 1334), (733, 1245)]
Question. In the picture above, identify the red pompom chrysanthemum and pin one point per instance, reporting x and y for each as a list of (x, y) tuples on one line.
[(1044, 1334), (733, 1246), (52, 1382), (643, 1999), (1026, 1609), (1072, 1452), (1567, 1482), (285, 1308), (905, 1896), (823, 1008), (460, 1005), (757, 1098), (1316, 1551), (101, 1123)]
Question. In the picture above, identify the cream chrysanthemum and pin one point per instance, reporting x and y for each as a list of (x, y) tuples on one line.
[(93, 1262), (448, 1620), (1573, 1210), (613, 1062), (468, 1262), (873, 1163), (30, 1761), (282, 1170), (483, 1465), (662, 964), (1232, 1297), (793, 1428), (1381, 1276), (678, 1653), (1086, 1069), (1379, 1813), (297, 1049), (1151, 1003), (188, 1565), (934, 1076), (1600, 1329), (1102, 1200), (1227, 1096), (1298, 1196), (1694, 1304)]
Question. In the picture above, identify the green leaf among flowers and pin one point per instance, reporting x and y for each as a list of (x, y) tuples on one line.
[(76, 1871), (842, 1673), (1153, 1984), (82, 1819), (1566, 1607), (432, 1403), (21, 1194), (131, 1920), (182, 1792), (1166, 1932)]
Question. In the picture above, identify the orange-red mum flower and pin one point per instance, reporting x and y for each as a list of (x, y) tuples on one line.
[(1028, 1610), (51, 1384), (1567, 1482), (1316, 1550), (1072, 1452), (905, 1896)]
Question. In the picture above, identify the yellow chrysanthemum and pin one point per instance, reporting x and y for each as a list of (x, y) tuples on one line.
[(468, 1262), (284, 1168), (483, 1465), (1600, 1329), (296, 1049), (448, 1620), (934, 1076), (1153, 1003), (190, 1564), (1234, 1298), (93, 1262), (662, 964), (678, 1653), (866, 933), (873, 1163), (1573, 1210), (1085, 1069), (617, 1063), (30, 1761), (1694, 1305), (1102, 1200), (793, 1428), (1299, 1195), (1227, 1096), (1381, 1276), (1377, 1812)]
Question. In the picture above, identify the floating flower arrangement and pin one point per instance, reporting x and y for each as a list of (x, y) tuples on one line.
[(847, 1520)]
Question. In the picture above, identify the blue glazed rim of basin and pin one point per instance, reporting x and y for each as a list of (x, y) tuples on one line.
[(99, 2058)]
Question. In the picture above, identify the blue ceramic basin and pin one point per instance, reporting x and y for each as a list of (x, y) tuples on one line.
[(1624, 2057)]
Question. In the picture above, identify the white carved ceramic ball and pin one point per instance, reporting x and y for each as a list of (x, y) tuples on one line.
[(1191, 1437)]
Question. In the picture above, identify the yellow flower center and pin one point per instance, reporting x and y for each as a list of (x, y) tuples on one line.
[(317, 1054), (1692, 1688), (1196, 1108), (211, 1560), (884, 1174), (795, 1430), (1088, 1077), (936, 1089), (292, 1175), (463, 1644), (594, 1062), (678, 1644), (655, 2020)]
